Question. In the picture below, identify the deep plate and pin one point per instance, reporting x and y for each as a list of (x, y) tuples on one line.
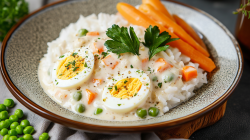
[(25, 45)]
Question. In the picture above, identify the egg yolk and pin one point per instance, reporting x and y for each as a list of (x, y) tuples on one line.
[(70, 67), (126, 88)]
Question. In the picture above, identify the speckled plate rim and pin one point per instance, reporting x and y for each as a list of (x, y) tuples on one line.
[(99, 128)]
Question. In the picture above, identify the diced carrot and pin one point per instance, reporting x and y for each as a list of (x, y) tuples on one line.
[(144, 62), (171, 25), (136, 17), (60, 95), (188, 73), (97, 81), (110, 61), (93, 33), (189, 30), (158, 5), (162, 65), (97, 48), (91, 96)]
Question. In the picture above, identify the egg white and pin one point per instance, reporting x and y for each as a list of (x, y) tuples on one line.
[(125, 105), (82, 76)]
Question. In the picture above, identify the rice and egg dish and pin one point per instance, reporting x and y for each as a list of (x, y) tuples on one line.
[(80, 70)]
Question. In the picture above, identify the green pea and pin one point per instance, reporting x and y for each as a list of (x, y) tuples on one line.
[(4, 131), (154, 78), (13, 118), (44, 136), (19, 113), (142, 113), (82, 32), (12, 132), (4, 115), (27, 137), (153, 111), (14, 125), (168, 77), (19, 129), (28, 130), (13, 138), (77, 96), (2, 107), (21, 138), (4, 124), (80, 108), (9, 122), (8, 103), (6, 137), (98, 111), (24, 123)]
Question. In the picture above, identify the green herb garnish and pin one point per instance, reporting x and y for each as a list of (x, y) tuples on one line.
[(125, 81), (131, 66), (122, 41), (75, 68), (119, 104), (159, 85), (135, 94), (110, 88), (115, 88), (61, 56), (85, 65), (60, 74), (74, 54), (104, 54), (156, 41), (73, 63)]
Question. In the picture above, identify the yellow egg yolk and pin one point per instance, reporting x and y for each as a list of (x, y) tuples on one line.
[(126, 88), (70, 67)]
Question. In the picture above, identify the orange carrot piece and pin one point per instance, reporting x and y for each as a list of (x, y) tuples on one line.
[(97, 81), (168, 23), (91, 96), (163, 65), (96, 48), (158, 5), (110, 61), (136, 17), (93, 33), (144, 61), (189, 30), (188, 73)]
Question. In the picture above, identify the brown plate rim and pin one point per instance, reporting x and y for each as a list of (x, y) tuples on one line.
[(114, 129)]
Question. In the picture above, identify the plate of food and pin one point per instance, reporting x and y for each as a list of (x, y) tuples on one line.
[(111, 66)]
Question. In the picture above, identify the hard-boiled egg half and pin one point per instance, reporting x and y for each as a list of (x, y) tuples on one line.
[(73, 68), (127, 91)]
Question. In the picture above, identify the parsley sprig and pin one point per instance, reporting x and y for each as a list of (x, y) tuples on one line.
[(243, 9), (156, 41), (122, 41)]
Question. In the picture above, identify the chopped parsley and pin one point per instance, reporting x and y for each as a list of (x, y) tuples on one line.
[(85, 65), (119, 104), (74, 54), (154, 78), (138, 71), (61, 56), (131, 66), (104, 54), (115, 88), (110, 88), (159, 85), (75, 68), (135, 94), (125, 81), (149, 69), (60, 74), (99, 38), (147, 84), (73, 63), (121, 99)]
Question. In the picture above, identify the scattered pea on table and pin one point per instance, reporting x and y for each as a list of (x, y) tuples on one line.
[(2, 107), (19, 113), (4, 115), (13, 118), (13, 138), (28, 137), (28, 130), (24, 123), (44, 136), (9, 103), (19, 129), (14, 125), (4, 131), (12, 132)]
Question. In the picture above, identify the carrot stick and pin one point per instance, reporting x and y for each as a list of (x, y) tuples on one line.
[(189, 30), (188, 73), (93, 33), (158, 5), (136, 17), (168, 23)]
